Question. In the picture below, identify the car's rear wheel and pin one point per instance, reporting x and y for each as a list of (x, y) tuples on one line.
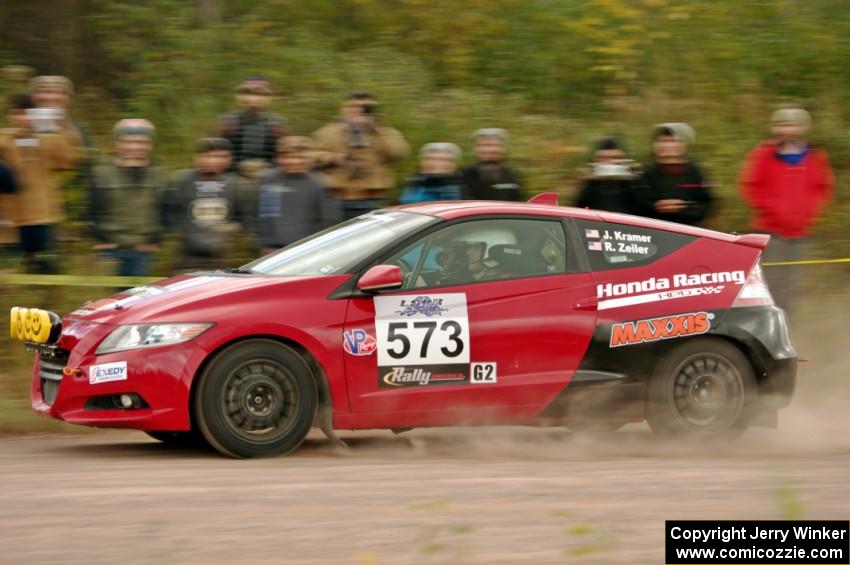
[(256, 399), (179, 439), (703, 387)]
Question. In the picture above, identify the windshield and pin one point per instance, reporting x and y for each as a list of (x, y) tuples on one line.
[(338, 249)]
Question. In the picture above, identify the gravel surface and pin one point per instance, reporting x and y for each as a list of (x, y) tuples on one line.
[(439, 496)]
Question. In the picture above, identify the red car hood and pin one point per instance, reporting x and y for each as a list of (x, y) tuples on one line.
[(192, 297)]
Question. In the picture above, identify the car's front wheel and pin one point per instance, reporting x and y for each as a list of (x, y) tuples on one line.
[(255, 399), (704, 387)]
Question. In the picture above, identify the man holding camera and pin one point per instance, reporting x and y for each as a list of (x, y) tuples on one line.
[(610, 180), (34, 148), (673, 186), (356, 153), (52, 95)]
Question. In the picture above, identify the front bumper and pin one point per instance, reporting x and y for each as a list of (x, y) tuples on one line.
[(160, 376)]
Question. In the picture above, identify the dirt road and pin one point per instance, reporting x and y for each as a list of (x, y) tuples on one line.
[(463, 496), (512, 495)]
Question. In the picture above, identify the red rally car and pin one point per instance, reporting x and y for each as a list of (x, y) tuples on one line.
[(435, 314)]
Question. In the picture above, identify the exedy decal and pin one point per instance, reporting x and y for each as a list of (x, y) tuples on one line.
[(655, 329)]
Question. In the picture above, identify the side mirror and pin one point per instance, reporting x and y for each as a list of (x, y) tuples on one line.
[(381, 277)]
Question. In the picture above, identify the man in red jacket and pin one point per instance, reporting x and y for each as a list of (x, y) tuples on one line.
[(787, 182)]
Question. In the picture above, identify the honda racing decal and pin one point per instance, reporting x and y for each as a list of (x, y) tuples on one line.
[(656, 289)]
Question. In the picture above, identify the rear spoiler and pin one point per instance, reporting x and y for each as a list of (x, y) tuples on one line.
[(548, 198), (757, 240)]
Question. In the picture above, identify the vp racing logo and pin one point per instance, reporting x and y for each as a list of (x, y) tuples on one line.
[(425, 305), (656, 329), (359, 342)]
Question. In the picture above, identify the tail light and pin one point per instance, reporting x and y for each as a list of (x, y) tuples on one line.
[(755, 291)]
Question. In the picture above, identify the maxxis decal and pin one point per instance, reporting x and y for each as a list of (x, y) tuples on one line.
[(657, 329)]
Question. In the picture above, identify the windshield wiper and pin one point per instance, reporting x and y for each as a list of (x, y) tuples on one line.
[(239, 271)]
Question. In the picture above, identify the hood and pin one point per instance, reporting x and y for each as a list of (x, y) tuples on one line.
[(200, 298)]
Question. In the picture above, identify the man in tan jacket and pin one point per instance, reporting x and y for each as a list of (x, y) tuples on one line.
[(356, 154), (34, 148)]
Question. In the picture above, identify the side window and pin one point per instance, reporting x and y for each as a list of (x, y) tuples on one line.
[(613, 246), (484, 250)]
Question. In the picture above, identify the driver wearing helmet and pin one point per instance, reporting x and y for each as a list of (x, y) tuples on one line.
[(462, 262)]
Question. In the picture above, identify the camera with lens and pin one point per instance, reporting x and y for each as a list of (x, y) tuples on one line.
[(45, 120), (612, 171), (357, 139)]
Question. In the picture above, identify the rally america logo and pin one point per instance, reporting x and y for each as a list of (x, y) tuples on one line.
[(656, 329), (359, 342), (417, 376), (425, 305)]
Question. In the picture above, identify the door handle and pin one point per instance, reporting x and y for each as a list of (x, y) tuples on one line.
[(589, 303)]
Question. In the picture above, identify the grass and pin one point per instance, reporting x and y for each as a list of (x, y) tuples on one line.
[(17, 417), (787, 498)]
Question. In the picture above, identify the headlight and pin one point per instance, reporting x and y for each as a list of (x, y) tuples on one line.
[(135, 336)]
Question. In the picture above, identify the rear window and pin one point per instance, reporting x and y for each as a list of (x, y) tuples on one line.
[(612, 246)]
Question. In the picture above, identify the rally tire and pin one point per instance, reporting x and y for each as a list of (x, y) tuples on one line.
[(704, 387), (256, 398)]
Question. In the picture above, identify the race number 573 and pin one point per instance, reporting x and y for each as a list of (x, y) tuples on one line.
[(399, 340), (419, 330)]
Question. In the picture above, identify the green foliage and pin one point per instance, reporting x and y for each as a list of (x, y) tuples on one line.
[(557, 74)]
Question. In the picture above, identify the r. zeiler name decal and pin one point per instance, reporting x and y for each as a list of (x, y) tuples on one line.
[(627, 242), (656, 329)]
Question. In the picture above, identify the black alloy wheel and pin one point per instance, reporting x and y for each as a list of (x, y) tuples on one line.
[(256, 398)]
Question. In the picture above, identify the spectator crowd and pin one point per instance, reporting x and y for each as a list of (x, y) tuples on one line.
[(253, 175)]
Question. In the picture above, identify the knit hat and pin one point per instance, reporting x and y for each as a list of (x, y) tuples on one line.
[(207, 144), (493, 133), (608, 143), (442, 147), (254, 85), (679, 130), (16, 74), (46, 82), (133, 126), (796, 116)]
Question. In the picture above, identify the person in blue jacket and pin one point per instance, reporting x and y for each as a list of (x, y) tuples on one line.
[(438, 178)]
